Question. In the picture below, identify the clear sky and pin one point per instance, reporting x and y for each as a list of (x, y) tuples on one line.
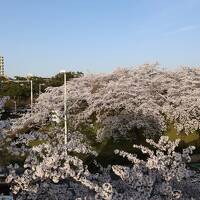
[(44, 36)]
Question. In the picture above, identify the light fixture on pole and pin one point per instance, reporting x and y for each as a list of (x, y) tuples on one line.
[(65, 106)]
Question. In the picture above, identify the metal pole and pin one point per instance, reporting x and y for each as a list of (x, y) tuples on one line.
[(65, 106), (31, 96), (40, 88)]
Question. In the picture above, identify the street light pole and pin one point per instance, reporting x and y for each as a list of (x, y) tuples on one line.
[(31, 96), (65, 106), (40, 88)]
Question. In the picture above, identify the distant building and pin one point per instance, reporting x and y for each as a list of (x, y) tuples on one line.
[(2, 66)]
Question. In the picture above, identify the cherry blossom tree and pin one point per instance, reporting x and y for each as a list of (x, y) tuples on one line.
[(163, 175), (146, 99), (127, 103)]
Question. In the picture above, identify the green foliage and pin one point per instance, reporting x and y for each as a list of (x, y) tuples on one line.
[(58, 79), (7, 158), (89, 131), (35, 143), (173, 135), (20, 91)]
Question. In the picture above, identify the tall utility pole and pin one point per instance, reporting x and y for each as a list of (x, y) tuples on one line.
[(40, 88), (31, 96), (65, 106)]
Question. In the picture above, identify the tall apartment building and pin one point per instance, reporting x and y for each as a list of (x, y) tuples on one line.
[(1, 66)]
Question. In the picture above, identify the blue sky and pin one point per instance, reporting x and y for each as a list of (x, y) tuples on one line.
[(44, 36)]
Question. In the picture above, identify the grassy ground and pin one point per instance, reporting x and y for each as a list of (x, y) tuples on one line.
[(186, 140), (190, 138)]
